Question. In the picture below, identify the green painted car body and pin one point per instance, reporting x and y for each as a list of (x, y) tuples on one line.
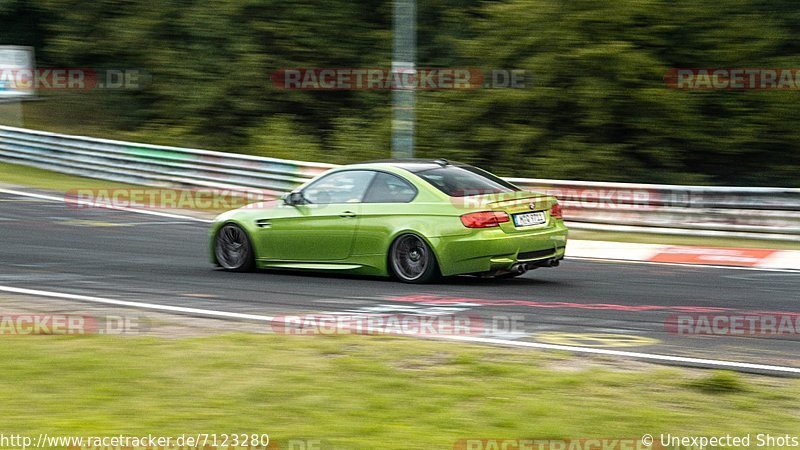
[(355, 235)]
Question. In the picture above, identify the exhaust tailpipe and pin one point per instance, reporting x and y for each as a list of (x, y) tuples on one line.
[(544, 263), (519, 268)]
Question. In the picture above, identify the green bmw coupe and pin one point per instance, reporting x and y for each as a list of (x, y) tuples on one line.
[(411, 219)]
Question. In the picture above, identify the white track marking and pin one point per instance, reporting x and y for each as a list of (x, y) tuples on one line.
[(631, 251), (781, 259), (637, 355), (53, 198), (469, 339), (140, 305), (625, 251), (693, 266)]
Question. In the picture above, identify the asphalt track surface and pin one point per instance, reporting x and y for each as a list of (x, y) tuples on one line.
[(47, 245)]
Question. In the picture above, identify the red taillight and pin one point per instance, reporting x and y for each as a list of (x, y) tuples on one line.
[(555, 211), (484, 219)]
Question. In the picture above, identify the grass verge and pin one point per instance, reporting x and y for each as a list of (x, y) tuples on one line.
[(210, 205), (53, 181), (366, 392)]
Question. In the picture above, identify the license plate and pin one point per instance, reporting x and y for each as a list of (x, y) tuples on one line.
[(528, 219)]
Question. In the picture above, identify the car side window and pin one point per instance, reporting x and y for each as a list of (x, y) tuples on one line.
[(388, 188), (340, 187)]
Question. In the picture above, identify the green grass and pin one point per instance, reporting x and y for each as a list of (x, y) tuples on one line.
[(54, 181), (66, 113), (44, 179), (94, 114), (85, 113), (365, 392)]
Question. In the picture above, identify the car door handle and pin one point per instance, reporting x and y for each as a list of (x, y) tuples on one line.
[(347, 214)]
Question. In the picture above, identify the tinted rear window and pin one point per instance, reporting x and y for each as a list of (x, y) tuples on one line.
[(387, 188), (462, 181)]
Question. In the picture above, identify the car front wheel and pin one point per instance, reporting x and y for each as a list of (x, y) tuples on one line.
[(233, 250)]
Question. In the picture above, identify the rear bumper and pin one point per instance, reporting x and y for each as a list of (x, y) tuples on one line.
[(492, 250)]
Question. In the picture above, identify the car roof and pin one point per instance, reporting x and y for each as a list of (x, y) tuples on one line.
[(411, 164)]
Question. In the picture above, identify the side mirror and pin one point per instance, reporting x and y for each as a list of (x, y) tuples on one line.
[(294, 198)]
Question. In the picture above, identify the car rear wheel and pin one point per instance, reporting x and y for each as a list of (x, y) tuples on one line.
[(412, 260), (233, 250)]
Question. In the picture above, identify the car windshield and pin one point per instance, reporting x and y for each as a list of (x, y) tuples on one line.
[(462, 181)]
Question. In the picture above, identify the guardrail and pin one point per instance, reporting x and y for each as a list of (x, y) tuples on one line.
[(152, 165), (762, 213)]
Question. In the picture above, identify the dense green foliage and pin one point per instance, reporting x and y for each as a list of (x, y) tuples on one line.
[(595, 104)]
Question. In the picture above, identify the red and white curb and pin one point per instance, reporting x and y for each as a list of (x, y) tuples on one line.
[(684, 254)]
